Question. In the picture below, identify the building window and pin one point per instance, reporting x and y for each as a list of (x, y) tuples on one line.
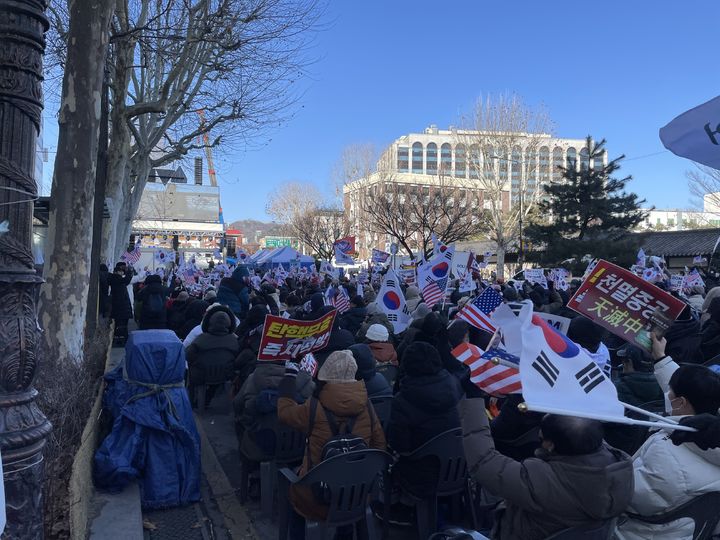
[(544, 162), (516, 162), (460, 160), (446, 159), (598, 161), (417, 158), (571, 158), (558, 162), (475, 161), (431, 164), (503, 159), (584, 159), (403, 159)]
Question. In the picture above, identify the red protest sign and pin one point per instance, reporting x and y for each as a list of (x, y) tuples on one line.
[(287, 339), (623, 303)]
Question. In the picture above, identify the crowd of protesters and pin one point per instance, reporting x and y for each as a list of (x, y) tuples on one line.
[(542, 473)]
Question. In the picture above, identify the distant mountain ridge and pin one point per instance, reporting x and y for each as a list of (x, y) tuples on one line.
[(249, 228)]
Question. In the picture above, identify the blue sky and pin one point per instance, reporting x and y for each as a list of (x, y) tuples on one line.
[(615, 69)]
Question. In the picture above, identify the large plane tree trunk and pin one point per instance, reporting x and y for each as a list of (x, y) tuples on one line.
[(67, 267)]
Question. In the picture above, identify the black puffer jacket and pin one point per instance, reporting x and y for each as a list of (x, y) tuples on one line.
[(425, 406), (148, 297), (683, 340), (193, 316), (215, 349), (352, 319)]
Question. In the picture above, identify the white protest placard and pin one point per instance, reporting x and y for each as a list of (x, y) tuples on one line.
[(561, 324), (536, 275), (460, 263), (676, 282)]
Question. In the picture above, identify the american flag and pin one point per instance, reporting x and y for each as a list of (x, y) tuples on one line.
[(492, 378), (477, 313), (341, 300), (131, 257), (433, 276)]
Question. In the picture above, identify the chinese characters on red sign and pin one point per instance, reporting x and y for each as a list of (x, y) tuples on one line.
[(623, 303), (286, 339)]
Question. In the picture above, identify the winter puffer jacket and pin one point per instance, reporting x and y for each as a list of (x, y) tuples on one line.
[(549, 493), (267, 376), (352, 319), (214, 349), (683, 341), (425, 406), (344, 400), (152, 299), (667, 476), (233, 291)]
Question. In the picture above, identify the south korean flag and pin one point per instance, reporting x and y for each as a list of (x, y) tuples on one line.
[(556, 373)]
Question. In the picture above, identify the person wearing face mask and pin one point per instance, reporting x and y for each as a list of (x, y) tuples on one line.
[(668, 475)]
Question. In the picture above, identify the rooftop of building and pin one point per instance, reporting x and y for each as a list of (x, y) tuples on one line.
[(688, 243)]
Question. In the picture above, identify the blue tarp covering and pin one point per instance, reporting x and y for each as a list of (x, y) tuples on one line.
[(154, 438)]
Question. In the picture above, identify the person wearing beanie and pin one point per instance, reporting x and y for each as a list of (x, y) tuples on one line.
[(339, 396), (210, 296), (383, 351), (214, 349), (353, 318), (684, 338), (193, 317), (375, 384), (424, 407), (234, 291)]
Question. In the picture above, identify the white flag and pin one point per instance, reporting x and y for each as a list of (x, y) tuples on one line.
[(391, 301), (467, 284), (641, 258), (695, 134), (557, 374)]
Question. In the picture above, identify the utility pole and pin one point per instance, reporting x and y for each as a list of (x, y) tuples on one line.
[(23, 427)]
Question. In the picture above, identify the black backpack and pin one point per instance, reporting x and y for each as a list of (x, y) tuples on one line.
[(339, 443)]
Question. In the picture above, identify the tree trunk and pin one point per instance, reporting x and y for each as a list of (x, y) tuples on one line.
[(67, 268), (500, 272), (99, 203), (131, 201)]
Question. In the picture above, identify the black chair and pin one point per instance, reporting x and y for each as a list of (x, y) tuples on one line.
[(289, 450), (382, 406), (704, 510), (213, 375), (447, 448), (349, 479), (603, 532)]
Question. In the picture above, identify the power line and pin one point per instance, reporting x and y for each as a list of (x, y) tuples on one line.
[(647, 155)]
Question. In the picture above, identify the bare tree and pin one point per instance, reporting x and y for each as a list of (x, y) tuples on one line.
[(501, 139), (410, 213), (704, 184), (233, 62), (301, 209)]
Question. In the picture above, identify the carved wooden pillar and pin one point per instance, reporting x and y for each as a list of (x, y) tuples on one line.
[(23, 427)]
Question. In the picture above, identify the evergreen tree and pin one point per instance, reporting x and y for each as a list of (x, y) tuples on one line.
[(586, 212)]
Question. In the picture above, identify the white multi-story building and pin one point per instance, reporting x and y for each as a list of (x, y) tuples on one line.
[(455, 160), (677, 220)]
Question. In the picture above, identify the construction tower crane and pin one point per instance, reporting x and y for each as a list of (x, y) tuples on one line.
[(208, 150)]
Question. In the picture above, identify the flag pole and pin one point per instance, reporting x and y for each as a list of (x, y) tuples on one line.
[(648, 413), (522, 407)]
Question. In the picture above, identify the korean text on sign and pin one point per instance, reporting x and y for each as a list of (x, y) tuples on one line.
[(623, 303), (286, 339)]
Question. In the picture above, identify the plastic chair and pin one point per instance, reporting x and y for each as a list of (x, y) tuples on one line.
[(704, 510), (350, 478), (447, 448), (214, 375), (289, 450), (382, 406), (603, 532)]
